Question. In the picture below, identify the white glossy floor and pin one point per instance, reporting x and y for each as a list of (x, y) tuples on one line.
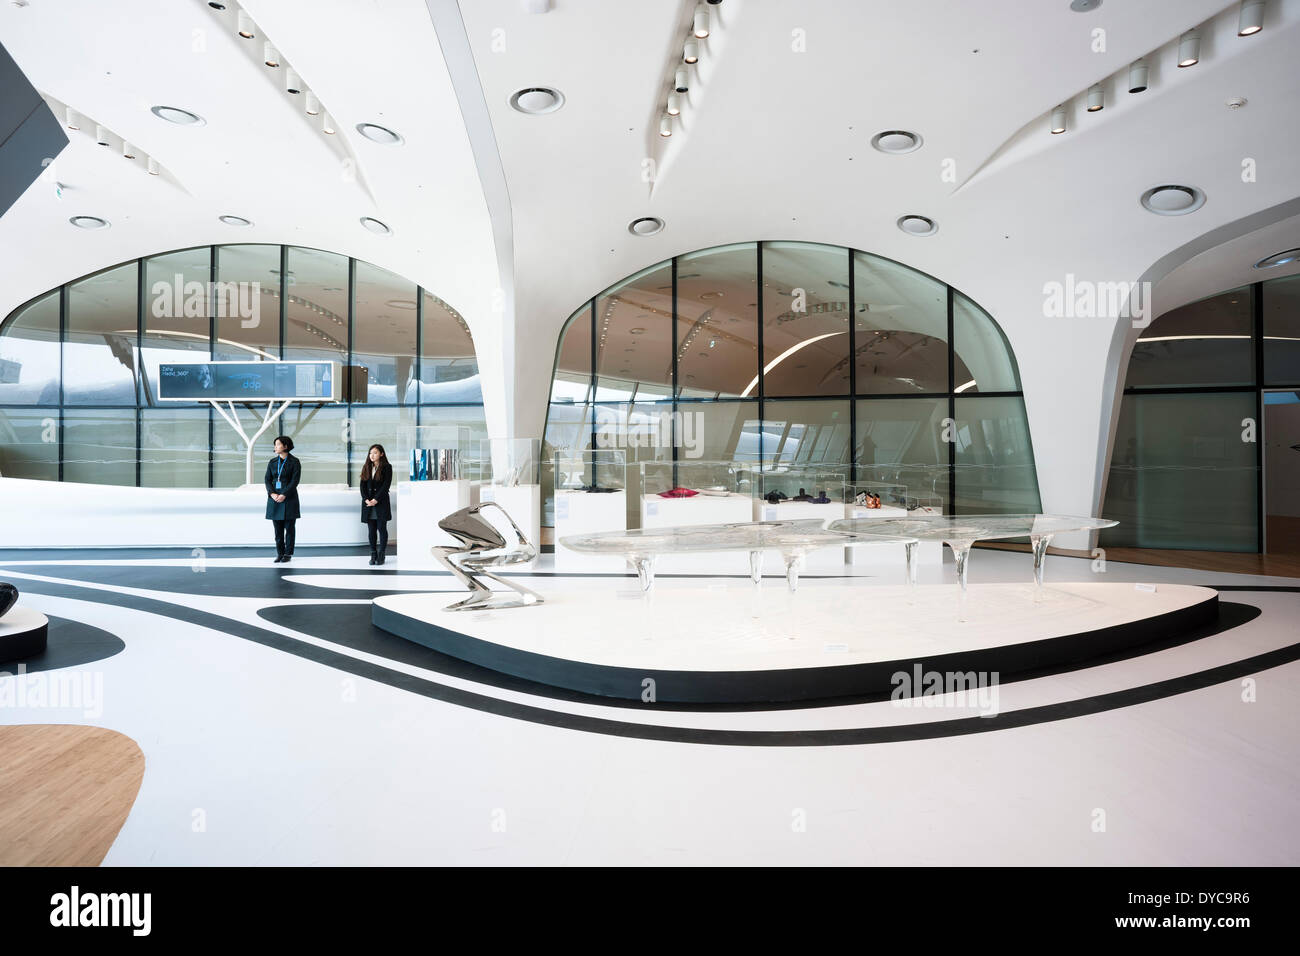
[(289, 761)]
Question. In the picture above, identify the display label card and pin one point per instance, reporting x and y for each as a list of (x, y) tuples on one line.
[(651, 508), (487, 494), (769, 514), (1151, 588), (836, 648), (859, 513), (562, 508)]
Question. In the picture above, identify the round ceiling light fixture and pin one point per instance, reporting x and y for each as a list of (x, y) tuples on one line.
[(380, 134), (1137, 76), (375, 226), (1173, 200), (1251, 18), (235, 220), (636, 331), (896, 141), (1279, 259), (918, 225), (1058, 120), (400, 304), (174, 114), (691, 52), (536, 100), (1189, 48), (246, 26), (89, 222), (681, 80), (1083, 6), (646, 226)]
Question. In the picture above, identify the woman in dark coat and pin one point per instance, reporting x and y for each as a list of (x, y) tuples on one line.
[(376, 476), (282, 475)]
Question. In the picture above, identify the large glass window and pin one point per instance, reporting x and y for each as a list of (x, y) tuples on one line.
[(982, 357), (901, 328), (246, 299), (29, 354), (384, 334), (717, 323), (634, 338), (174, 447), (1281, 331), (29, 443), (994, 461), (806, 433), (1204, 343), (448, 365), (316, 306), (99, 445), (900, 442), (177, 323), (377, 426), (99, 348), (1182, 475), (805, 319)]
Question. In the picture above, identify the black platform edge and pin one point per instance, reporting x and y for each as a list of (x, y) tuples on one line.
[(20, 645), (795, 684)]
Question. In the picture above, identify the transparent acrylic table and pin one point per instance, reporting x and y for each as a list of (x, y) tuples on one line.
[(960, 532), (793, 539)]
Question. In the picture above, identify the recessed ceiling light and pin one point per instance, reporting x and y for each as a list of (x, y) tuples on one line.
[(235, 220), (536, 100), (1279, 259), (174, 114), (400, 304), (645, 226), (89, 222), (917, 225), (710, 295), (1083, 6), (375, 226), (636, 331), (1172, 200), (379, 134), (896, 141)]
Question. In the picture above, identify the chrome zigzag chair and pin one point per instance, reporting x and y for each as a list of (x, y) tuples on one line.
[(482, 547)]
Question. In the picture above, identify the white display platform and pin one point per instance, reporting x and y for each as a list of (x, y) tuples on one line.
[(658, 512), (116, 516), (524, 505), (725, 639), (423, 505), (581, 512)]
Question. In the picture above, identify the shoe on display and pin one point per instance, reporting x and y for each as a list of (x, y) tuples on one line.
[(678, 493)]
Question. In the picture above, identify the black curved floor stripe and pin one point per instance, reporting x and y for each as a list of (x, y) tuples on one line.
[(266, 582), (693, 735), (69, 644), (350, 625)]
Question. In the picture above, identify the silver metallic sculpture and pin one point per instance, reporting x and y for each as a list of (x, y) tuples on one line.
[(482, 546)]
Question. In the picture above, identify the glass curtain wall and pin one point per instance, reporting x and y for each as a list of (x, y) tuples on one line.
[(798, 354), (79, 366)]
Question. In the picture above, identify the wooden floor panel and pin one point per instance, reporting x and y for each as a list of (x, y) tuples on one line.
[(1224, 562), (65, 792)]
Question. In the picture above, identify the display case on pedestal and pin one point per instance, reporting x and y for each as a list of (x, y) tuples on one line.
[(590, 496), (430, 487), (508, 472)]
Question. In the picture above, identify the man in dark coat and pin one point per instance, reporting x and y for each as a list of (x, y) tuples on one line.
[(282, 475)]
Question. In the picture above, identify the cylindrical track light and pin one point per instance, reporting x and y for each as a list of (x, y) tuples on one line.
[(152, 166), (1251, 19), (701, 24), (326, 124), (292, 82), (312, 104), (682, 82), (127, 151), (245, 25), (1096, 98), (691, 52), (70, 118), (1137, 76), (666, 125), (101, 135), (674, 104), (1058, 119), (1189, 48), (268, 52)]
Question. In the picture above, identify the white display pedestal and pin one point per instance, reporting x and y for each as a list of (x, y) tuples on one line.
[(422, 505), (524, 505), (582, 512), (657, 512)]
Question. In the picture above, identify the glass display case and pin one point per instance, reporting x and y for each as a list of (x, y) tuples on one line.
[(508, 471), (590, 497), (778, 491), (430, 485), (693, 492)]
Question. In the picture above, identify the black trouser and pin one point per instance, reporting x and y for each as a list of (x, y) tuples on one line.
[(284, 535), (380, 529)]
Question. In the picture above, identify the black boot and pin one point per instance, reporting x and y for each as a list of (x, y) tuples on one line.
[(374, 558), (381, 557)]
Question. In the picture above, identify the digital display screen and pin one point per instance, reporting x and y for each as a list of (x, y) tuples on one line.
[(247, 381)]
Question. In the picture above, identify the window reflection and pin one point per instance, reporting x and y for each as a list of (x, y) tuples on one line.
[(246, 299), (177, 323), (901, 328), (99, 350), (717, 322), (29, 354), (384, 334), (805, 319)]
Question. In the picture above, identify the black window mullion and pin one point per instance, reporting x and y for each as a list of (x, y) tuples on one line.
[(63, 338), (592, 404), (952, 411), (212, 354), (284, 296), (352, 323), (138, 377), (853, 375), (672, 338), (1257, 333), (758, 283)]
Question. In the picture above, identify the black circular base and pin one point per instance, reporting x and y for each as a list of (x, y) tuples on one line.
[(19, 639)]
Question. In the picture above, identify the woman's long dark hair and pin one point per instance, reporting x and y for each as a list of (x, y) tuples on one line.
[(368, 470)]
